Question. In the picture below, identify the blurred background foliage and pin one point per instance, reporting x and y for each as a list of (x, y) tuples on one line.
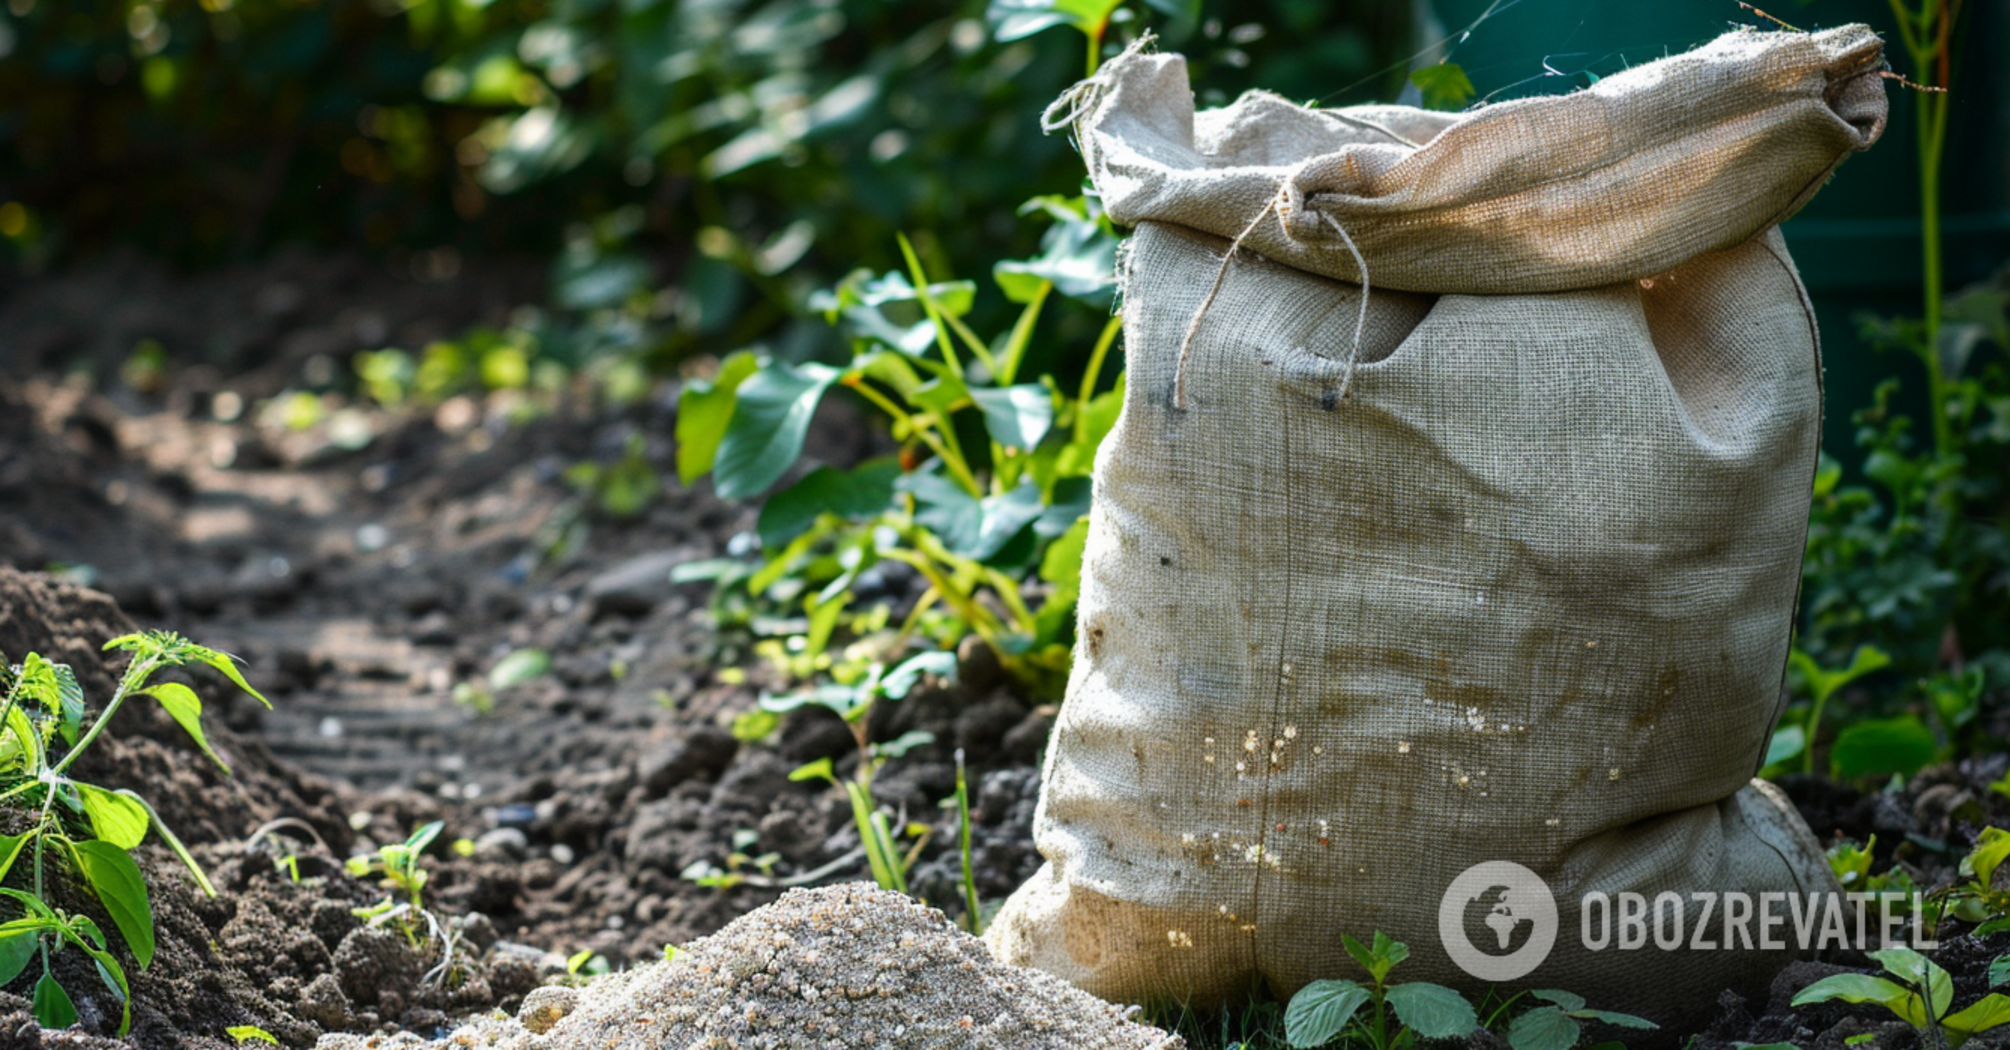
[(705, 163)]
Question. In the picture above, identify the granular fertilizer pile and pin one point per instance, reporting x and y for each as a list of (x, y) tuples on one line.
[(838, 967)]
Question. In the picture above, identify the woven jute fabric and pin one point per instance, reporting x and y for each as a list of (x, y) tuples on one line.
[(1502, 568)]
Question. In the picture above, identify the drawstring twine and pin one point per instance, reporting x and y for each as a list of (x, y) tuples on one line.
[(1279, 206)]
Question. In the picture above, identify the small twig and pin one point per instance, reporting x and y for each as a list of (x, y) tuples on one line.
[(1769, 18), (1900, 77)]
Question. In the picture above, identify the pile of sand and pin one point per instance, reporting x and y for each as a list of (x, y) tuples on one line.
[(839, 967)]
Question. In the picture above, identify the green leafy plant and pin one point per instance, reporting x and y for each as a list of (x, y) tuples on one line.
[(1559, 1024), (853, 703), (397, 865), (90, 830), (1325, 1009), (1851, 864), (1918, 991), (977, 521), (1975, 897), (1912, 560), (1800, 740)]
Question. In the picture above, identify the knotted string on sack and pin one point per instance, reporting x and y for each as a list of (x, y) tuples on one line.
[(1281, 206)]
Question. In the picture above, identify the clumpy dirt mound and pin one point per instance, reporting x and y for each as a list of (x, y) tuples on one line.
[(839, 967), (280, 947), (144, 749)]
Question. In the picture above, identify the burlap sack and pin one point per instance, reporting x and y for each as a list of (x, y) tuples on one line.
[(1504, 573)]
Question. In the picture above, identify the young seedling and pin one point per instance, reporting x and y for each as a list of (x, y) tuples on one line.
[(1919, 993), (853, 703), (1977, 900), (43, 702), (1323, 1010), (398, 863)]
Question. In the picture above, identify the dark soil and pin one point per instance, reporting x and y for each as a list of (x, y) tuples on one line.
[(362, 585)]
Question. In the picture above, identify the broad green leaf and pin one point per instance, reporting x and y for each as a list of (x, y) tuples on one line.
[(70, 699), (846, 702), (1061, 565), (1566, 1000), (1016, 416), (1445, 86), (854, 495), (904, 743), (520, 666), (821, 768), (1432, 1010), (52, 1006), (1861, 988), (1078, 256), (891, 367), (1100, 417), (1612, 1018), (1361, 954), (1823, 683), (1390, 951), (182, 705), (1920, 972), (1999, 970), (973, 528), (424, 835), (1014, 19), (769, 424), (1991, 1012), (245, 1033), (24, 739), (117, 882), (900, 681), (1320, 1010), (1992, 848), (1543, 1028), (37, 682), (1881, 747), (115, 818), (1788, 742), (17, 949), (227, 664), (703, 408)]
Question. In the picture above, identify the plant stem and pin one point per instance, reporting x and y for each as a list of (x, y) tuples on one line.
[(1094, 373), (1927, 35), (134, 676), (1814, 730), (974, 914)]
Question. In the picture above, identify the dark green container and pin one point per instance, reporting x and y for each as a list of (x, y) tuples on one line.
[(1858, 243)]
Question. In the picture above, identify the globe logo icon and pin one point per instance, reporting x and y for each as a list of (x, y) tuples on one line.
[(1498, 920), (1492, 924)]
